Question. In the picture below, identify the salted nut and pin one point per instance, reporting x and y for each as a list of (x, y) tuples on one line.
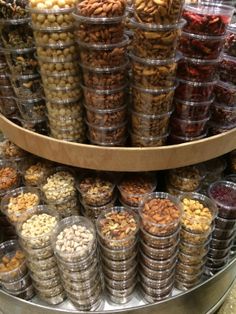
[(102, 8)]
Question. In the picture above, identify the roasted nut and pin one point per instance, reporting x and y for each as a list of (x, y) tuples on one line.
[(153, 74), (53, 38), (191, 259), (54, 54), (60, 109), (35, 173), (96, 189), (106, 118), (150, 125), (159, 12), (194, 238), (160, 214), (69, 134), (105, 99), (117, 228), (9, 150), (63, 93), (54, 81), (155, 42), (101, 8), (52, 68), (8, 263), (133, 188), (154, 101)]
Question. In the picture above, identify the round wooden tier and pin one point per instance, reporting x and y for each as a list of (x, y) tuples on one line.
[(119, 158)]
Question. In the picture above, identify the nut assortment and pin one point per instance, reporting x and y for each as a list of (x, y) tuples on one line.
[(107, 9), (9, 177), (35, 173)]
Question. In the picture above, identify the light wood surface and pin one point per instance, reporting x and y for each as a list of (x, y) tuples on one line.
[(119, 158)]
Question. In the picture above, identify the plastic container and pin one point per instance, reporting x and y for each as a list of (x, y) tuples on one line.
[(153, 41), (53, 300), (152, 101), (45, 284), (51, 19), (71, 134), (231, 178), (28, 86), (171, 16), (9, 249), (215, 128), (61, 80), (99, 30), (50, 38), (120, 296), (37, 265), (223, 114), (31, 109), (63, 93), (192, 110), (153, 74), (100, 55), (197, 70), (166, 226), (189, 128), (227, 69), (193, 249), (174, 139), (230, 41), (26, 294), (190, 270), (39, 126), (134, 187), (221, 244), (17, 286), (108, 135), (61, 67), (195, 238), (21, 61), (9, 176), (183, 286), (119, 265), (106, 118), (207, 18), (7, 91), (8, 105), (118, 255), (157, 275), (121, 275), (120, 284), (123, 241), (142, 141), (189, 279), (105, 99), (159, 254), (223, 193), (77, 256), (211, 271), (82, 289), (159, 242), (218, 253), (214, 169), (217, 262), (155, 295), (150, 125), (225, 93), (194, 91), (191, 259), (156, 265), (4, 79), (105, 78), (55, 54), (201, 46)]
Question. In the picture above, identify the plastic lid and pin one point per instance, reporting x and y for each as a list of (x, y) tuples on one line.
[(194, 103), (51, 11), (122, 43), (154, 61), (154, 91), (203, 37), (97, 20), (196, 83), (210, 8), (154, 27), (105, 69), (200, 61)]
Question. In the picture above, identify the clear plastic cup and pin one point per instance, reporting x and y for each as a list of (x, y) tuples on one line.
[(193, 249), (158, 265), (120, 296), (45, 283), (223, 234), (120, 284), (192, 110), (155, 41), (31, 109), (7, 91), (119, 265), (4, 79), (223, 114), (55, 54), (50, 38), (152, 101), (195, 238), (156, 284), (10, 249), (17, 286), (150, 125), (207, 18), (223, 193), (150, 141), (227, 69), (123, 238), (215, 128), (230, 40), (201, 46), (153, 74), (175, 139), (134, 187), (8, 105), (158, 254), (219, 253), (27, 86), (157, 274), (155, 295), (211, 271), (105, 99), (221, 244), (121, 275), (26, 294), (76, 255), (190, 270), (17, 212), (217, 262), (191, 259), (9, 176), (231, 178), (105, 77), (62, 93), (225, 93), (163, 225), (37, 265), (61, 67), (35, 253), (100, 55), (189, 128), (118, 255), (194, 91)]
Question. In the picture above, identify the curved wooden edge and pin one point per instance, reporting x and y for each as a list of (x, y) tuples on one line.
[(119, 158)]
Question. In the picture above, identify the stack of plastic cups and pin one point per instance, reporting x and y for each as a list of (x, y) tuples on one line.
[(78, 263), (14, 276), (201, 43), (103, 44), (197, 224), (39, 253), (223, 193), (25, 89), (53, 28), (185, 179), (153, 65), (59, 192), (133, 189), (97, 193), (224, 108), (117, 234), (159, 244)]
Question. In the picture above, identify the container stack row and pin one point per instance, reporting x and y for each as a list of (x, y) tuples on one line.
[(53, 28), (99, 31), (153, 58), (224, 108), (201, 44), (21, 82)]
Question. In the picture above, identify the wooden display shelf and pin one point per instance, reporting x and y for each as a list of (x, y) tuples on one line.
[(119, 158)]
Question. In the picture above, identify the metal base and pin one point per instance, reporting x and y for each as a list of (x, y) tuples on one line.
[(206, 298)]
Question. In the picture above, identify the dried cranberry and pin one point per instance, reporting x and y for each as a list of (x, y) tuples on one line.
[(225, 93), (230, 42), (201, 47), (207, 19), (188, 128), (197, 70), (223, 114), (191, 110), (227, 69), (194, 91)]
